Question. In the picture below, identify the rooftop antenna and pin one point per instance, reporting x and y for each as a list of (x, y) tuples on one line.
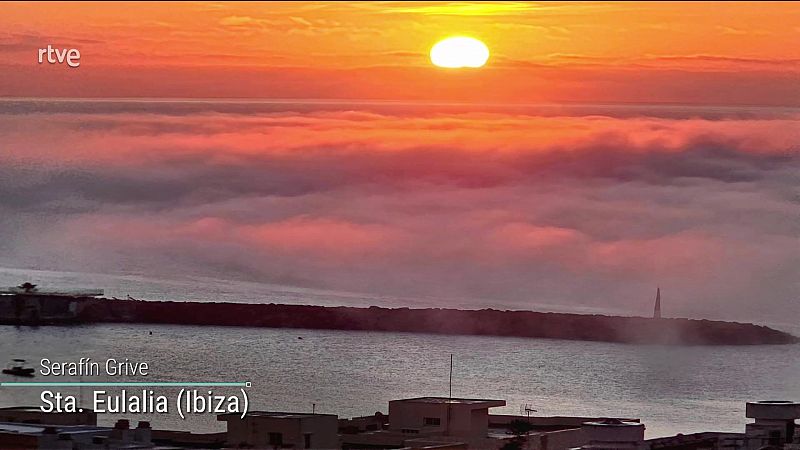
[(451, 376), (450, 397), (526, 409), (657, 308)]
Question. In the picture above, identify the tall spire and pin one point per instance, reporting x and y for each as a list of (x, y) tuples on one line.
[(657, 308)]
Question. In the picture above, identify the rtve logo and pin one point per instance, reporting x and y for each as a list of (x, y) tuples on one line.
[(70, 56)]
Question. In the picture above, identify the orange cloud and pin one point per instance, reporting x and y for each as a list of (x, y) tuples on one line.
[(600, 52)]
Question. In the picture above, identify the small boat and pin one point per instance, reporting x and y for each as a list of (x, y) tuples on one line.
[(17, 368)]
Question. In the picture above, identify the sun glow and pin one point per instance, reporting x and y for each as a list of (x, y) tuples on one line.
[(459, 52)]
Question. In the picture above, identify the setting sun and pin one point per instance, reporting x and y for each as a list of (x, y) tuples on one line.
[(458, 52)]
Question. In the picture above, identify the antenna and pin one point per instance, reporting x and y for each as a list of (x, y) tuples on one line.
[(451, 376), (526, 409), (450, 397)]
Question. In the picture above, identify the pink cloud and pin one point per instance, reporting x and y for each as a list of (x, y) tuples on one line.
[(582, 209), (321, 237), (141, 139)]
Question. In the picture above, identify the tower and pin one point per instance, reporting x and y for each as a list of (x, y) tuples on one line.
[(657, 308)]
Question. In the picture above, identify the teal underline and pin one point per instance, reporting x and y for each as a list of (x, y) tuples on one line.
[(118, 384)]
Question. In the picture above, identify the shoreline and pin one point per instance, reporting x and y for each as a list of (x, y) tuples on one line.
[(44, 310)]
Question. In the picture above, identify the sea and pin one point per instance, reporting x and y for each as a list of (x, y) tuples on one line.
[(671, 389)]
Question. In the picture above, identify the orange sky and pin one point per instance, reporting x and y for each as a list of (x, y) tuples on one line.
[(707, 53)]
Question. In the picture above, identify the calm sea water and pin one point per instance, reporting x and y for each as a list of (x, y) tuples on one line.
[(672, 389)]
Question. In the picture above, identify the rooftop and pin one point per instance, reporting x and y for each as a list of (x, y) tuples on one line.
[(487, 403), (610, 422), (21, 408), (31, 429), (275, 415)]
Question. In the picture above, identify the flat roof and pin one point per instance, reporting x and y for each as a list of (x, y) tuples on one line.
[(22, 408), (21, 428), (36, 409), (37, 429), (277, 415), (454, 401), (613, 423)]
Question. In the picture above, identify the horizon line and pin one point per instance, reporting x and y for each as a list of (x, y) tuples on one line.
[(390, 102)]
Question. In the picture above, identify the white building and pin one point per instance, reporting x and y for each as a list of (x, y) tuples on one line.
[(275, 430), (460, 417), (432, 422)]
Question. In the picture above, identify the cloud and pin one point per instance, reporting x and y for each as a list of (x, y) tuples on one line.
[(558, 206), (294, 25), (28, 43), (491, 9), (467, 9)]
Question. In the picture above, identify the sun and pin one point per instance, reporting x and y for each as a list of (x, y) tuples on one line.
[(458, 52)]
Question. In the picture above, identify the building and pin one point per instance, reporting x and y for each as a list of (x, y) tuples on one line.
[(464, 423), (422, 423), (773, 426), (355, 425), (613, 434), (275, 430), (431, 422), (34, 415), (75, 437), (552, 432), (29, 427), (26, 304), (461, 417)]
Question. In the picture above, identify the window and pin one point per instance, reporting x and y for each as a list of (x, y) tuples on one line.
[(432, 421), (307, 438), (275, 439), (409, 431)]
